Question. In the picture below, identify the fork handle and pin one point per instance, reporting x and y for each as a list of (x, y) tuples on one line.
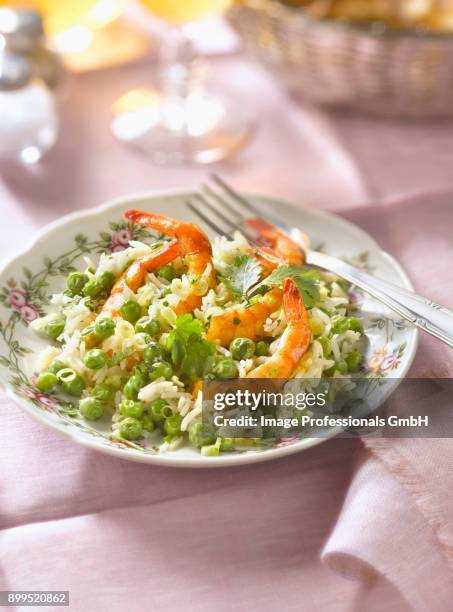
[(432, 318)]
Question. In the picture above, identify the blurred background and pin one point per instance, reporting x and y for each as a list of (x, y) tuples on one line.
[(359, 90)]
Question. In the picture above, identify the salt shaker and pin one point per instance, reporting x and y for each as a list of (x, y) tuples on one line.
[(28, 114), (22, 31)]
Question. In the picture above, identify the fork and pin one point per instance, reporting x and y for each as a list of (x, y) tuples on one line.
[(224, 210)]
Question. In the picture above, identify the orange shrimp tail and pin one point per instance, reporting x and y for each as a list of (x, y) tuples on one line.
[(297, 317), (293, 303), (160, 223), (284, 248), (267, 258), (161, 256), (265, 229), (193, 240)]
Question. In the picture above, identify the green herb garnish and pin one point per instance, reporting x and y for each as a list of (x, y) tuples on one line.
[(241, 276), (307, 281)]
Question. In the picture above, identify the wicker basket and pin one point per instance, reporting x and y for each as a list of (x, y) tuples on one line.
[(387, 73)]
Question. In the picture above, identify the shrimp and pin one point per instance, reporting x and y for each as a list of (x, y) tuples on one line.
[(194, 248), (134, 276), (248, 321), (295, 340), (284, 249), (244, 322)]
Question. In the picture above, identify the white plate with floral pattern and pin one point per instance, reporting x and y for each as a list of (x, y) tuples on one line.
[(27, 282)]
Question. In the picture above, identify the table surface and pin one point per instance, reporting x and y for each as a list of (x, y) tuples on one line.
[(53, 493)]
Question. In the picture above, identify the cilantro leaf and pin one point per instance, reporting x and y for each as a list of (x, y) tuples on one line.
[(185, 327), (242, 275), (196, 360), (189, 351), (307, 281)]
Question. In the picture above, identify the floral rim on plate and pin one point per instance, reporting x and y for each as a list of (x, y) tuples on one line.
[(25, 296)]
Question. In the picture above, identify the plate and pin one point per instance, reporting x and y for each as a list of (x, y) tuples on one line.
[(28, 280)]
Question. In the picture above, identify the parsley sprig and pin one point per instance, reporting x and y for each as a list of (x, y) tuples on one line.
[(243, 276), (190, 352), (307, 281)]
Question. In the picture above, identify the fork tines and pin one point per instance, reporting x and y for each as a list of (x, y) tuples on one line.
[(224, 211)]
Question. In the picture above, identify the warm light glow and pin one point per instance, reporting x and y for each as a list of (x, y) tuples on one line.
[(64, 15), (133, 101), (183, 11), (74, 40)]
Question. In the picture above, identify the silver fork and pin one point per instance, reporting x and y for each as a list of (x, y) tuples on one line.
[(225, 210)]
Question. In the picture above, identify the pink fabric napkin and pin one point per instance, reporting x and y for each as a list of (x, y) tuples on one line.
[(113, 532), (397, 519)]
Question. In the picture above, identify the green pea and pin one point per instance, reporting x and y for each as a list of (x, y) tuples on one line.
[(353, 361), (142, 371), (172, 425), (92, 289), (76, 282), (74, 387), (105, 328), (148, 423), (166, 272), (152, 353), (201, 434), (226, 368), (242, 348), (114, 382), (149, 326), (339, 324), (227, 444), (160, 410), (91, 408), (355, 324), (133, 386), (102, 392), (55, 328), (341, 366), (131, 409), (262, 349), (46, 381), (56, 366), (316, 326), (130, 429), (106, 280), (131, 311), (95, 359), (160, 369)]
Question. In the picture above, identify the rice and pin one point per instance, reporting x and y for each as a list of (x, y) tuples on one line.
[(160, 298), (46, 357), (116, 263), (245, 366), (78, 316), (161, 388), (193, 414), (225, 251)]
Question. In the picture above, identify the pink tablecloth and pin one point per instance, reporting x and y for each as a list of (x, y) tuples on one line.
[(283, 535)]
